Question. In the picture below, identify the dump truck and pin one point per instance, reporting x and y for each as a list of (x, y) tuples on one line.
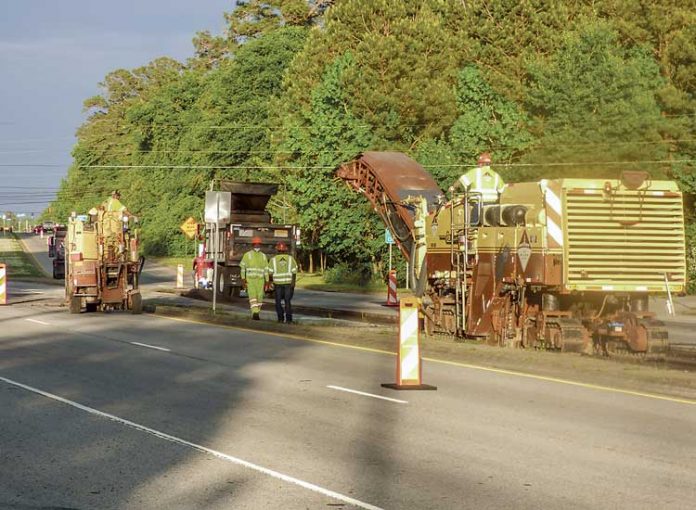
[(102, 263), (564, 264), (56, 251), (248, 218)]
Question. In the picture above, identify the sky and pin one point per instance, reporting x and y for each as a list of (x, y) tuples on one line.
[(53, 54)]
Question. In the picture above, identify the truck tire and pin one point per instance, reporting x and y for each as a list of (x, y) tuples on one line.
[(91, 307), (55, 273), (223, 290), (75, 304), (136, 304)]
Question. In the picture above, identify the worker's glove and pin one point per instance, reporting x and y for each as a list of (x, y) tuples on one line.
[(267, 287)]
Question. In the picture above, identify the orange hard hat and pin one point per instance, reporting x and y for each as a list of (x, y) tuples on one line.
[(484, 158), (281, 246), (256, 240)]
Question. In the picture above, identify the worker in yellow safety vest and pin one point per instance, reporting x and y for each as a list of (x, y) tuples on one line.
[(254, 269), (283, 270), (114, 204), (481, 180)]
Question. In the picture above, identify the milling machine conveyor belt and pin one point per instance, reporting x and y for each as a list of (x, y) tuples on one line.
[(387, 179)]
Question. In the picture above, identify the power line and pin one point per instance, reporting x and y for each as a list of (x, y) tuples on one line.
[(219, 151)]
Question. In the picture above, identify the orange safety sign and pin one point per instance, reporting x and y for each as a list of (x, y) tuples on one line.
[(409, 365), (190, 228)]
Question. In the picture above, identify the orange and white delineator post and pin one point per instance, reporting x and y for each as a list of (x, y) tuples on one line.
[(409, 365), (3, 284), (392, 299), (180, 276)]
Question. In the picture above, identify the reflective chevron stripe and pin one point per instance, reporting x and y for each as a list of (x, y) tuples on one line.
[(554, 212)]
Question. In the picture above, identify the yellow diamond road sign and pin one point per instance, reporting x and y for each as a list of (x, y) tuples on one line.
[(189, 227)]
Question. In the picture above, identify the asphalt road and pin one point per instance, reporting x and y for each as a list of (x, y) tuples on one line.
[(158, 413)]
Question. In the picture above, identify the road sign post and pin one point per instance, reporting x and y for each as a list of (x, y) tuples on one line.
[(218, 206), (389, 239)]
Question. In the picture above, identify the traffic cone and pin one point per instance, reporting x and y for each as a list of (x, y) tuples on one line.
[(409, 365), (392, 299), (3, 284)]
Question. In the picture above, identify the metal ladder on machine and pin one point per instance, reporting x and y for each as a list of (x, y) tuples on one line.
[(460, 253)]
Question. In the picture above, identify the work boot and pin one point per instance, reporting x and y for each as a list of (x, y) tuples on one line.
[(289, 319), (280, 319), (255, 316)]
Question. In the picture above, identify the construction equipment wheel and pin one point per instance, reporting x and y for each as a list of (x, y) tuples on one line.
[(136, 304), (91, 307), (75, 304)]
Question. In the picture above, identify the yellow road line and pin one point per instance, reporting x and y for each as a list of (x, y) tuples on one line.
[(563, 381), (515, 373)]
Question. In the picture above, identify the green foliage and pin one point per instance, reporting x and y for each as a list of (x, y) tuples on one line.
[(487, 121), (355, 274), (594, 101), (333, 219), (296, 87)]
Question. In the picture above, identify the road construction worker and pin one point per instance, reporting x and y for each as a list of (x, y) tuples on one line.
[(481, 179), (254, 266), (283, 269), (114, 204)]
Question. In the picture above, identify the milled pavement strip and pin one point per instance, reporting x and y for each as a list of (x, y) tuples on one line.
[(200, 448), (515, 373)]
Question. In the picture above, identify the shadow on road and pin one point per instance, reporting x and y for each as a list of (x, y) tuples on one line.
[(55, 456)]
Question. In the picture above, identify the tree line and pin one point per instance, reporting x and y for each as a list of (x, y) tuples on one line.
[(293, 88)]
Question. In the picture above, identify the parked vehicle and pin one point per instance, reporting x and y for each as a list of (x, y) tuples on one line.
[(248, 218)]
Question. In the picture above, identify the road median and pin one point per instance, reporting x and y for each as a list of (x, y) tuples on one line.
[(20, 262)]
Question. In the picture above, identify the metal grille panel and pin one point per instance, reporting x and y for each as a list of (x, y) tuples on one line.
[(624, 240)]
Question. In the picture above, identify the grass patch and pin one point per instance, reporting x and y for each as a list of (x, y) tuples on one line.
[(315, 281), (19, 264), (187, 261)]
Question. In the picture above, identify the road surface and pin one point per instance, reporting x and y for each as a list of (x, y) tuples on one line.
[(116, 411)]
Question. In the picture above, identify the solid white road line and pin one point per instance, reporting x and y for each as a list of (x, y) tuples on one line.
[(348, 390), (203, 449), (36, 321), (151, 346)]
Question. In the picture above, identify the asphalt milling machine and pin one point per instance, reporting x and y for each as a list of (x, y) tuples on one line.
[(564, 264), (102, 263)]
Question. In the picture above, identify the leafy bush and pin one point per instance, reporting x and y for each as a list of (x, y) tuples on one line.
[(356, 274)]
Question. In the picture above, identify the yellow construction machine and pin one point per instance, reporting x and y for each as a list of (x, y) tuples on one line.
[(102, 263), (566, 264)]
